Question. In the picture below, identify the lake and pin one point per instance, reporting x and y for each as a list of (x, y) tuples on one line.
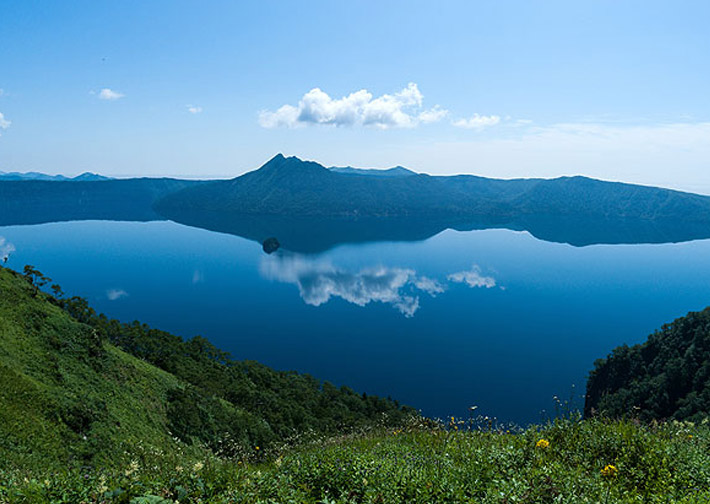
[(493, 318)]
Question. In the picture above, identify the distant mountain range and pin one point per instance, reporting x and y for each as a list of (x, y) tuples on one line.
[(38, 201), (310, 208), (84, 177), (290, 186), (397, 171)]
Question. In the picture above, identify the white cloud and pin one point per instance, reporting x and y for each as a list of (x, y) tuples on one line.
[(473, 278), (399, 110), (114, 294), (318, 282), (4, 123), (109, 94), (6, 249), (194, 109), (477, 122)]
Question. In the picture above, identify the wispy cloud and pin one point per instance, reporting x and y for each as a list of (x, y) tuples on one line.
[(4, 123), (6, 248), (114, 294), (399, 110), (473, 278), (477, 122), (109, 94), (193, 109)]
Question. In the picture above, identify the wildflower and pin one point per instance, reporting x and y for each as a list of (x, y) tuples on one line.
[(257, 448), (178, 469), (198, 466), (102, 484), (543, 443), (609, 471), (132, 468)]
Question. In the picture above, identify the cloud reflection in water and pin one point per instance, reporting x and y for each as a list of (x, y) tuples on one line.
[(319, 280)]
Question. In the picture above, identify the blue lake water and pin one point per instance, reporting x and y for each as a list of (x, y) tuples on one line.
[(494, 318)]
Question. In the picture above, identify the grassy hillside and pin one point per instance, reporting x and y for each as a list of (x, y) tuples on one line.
[(80, 389), (67, 397), (568, 461)]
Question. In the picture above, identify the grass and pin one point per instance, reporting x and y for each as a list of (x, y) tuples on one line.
[(82, 421), (422, 463)]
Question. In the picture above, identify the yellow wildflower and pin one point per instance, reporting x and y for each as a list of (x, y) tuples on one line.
[(543, 443), (609, 471), (198, 466)]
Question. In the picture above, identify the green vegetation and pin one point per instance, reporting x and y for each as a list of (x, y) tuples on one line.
[(80, 389), (567, 461), (96, 411), (666, 377)]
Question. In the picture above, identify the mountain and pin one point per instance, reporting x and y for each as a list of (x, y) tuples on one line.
[(397, 171), (289, 186), (84, 177), (310, 208), (38, 201), (290, 199), (80, 389), (666, 377)]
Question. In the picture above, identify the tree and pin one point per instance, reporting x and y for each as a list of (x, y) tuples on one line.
[(35, 278)]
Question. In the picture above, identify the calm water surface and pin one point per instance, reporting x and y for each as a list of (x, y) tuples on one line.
[(496, 318)]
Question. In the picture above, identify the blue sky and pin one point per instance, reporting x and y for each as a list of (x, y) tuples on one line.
[(610, 89)]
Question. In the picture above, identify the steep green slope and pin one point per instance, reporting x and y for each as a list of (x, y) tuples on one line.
[(66, 395), (78, 388), (668, 376)]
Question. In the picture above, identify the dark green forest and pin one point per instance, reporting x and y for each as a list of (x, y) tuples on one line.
[(667, 377)]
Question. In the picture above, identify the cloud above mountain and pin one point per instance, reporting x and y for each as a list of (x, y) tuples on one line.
[(403, 109)]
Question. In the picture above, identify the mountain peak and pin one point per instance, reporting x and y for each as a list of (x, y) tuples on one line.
[(291, 164)]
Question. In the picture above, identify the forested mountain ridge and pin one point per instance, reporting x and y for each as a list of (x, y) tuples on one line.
[(290, 186), (78, 388), (666, 377), (38, 201)]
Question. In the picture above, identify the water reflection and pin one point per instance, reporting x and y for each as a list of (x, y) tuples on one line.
[(473, 278), (6, 248), (319, 280)]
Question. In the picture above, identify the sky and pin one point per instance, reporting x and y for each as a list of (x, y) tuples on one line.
[(616, 90)]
